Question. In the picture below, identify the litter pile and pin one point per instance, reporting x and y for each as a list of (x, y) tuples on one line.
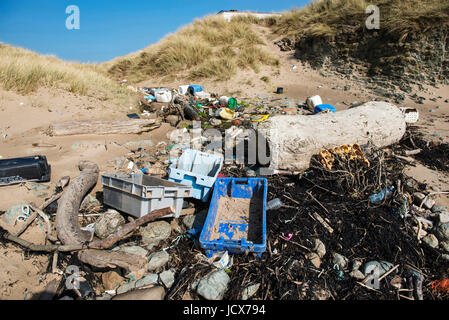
[(351, 225)]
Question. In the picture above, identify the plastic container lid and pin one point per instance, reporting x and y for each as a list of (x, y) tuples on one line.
[(232, 103)]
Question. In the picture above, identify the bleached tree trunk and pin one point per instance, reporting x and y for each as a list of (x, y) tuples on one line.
[(293, 140)]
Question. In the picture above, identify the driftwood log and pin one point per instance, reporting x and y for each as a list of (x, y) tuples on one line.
[(103, 127), (293, 140), (70, 233)]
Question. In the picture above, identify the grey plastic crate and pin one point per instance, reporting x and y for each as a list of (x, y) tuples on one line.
[(138, 194)]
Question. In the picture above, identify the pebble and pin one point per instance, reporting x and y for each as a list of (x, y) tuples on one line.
[(438, 209), (340, 261), (126, 287), (152, 278), (155, 293), (250, 291), (155, 232), (431, 241), (197, 220), (442, 231), (167, 278), (134, 250), (110, 222), (89, 202), (111, 280), (157, 260), (172, 119), (443, 217), (214, 286), (357, 274), (314, 258), (319, 247)]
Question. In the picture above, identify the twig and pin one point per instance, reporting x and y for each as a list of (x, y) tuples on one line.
[(368, 287), (323, 222), (317, 201), (389, 271), (47, 223)]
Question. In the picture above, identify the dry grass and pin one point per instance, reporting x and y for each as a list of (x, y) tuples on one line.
[(24, 71), (208, 48), (326, 18)]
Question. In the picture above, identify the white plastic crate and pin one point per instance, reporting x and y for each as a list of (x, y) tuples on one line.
[(138, 194), (411, 115)]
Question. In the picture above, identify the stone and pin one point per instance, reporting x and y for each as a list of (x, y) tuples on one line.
[(442, 231), (172, 119), (384, 266), (126, 287), (111, 280), (215, 122), (134, 250), (445, 245), (340, 261), (19, 211), (445, 257), (167, 278), (213, 286), (443, 217), (356, 264), (357, 274), (431, 241), (250, 291), (314, 258), (192, 221), (419, 197), (150, 279), (155, 293), (155, 232), (174, 224), (110, 222), (157, 260), (89, 202), (319, 247), (436, 209)]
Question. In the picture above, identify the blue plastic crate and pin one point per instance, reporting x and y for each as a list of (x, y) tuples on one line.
[(248, 188), (197, 169), (321, 107)]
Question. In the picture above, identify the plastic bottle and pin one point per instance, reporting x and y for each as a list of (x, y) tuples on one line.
[(274, 204), (379, 197)]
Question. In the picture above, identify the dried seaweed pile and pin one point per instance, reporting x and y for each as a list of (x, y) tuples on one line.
[(361, 231)]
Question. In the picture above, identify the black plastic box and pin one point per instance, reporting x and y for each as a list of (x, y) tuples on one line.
[(16, 170)]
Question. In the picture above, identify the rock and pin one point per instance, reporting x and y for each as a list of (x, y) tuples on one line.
[(134, 250), (419, 197), (356, 264), (89, 202), (111, 280), (21, 211), (250, 291), (445, 245), (157, 260), (155, 232), (214, 286), (174, 224), (110, 222), (193, 221), (443, 217), (340, 261), (319, 247), (436, 209), (105, 296), (442, 231), (172, 119), (150, 279), (445, 257), (138, 144), (431, 241), (126, 287), (384, 266), (314, 258), (357, 274), (155, 293), (167, 278)]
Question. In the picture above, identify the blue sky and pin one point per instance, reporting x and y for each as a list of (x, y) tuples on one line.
[(109, 28)]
